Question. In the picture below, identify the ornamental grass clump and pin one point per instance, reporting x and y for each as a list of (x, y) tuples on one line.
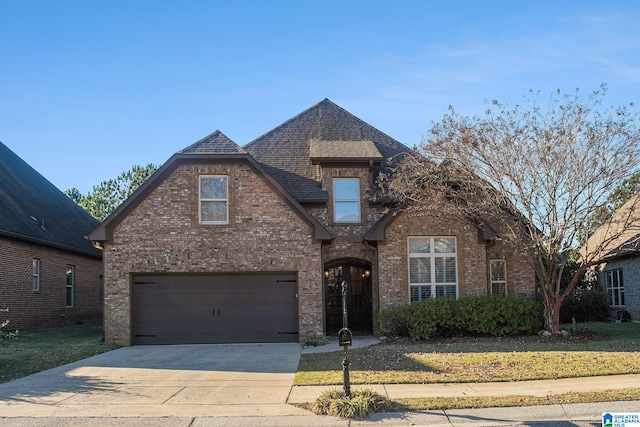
[(363, 402), (7, 334)]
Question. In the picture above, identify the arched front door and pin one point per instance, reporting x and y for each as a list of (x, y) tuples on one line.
[(357, 274)]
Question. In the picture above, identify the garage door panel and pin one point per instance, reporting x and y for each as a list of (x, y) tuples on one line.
[(189, 309)]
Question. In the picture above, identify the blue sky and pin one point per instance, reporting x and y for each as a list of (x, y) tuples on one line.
[(90, 88)]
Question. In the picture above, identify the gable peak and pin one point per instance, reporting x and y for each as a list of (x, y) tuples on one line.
[(214, 143)]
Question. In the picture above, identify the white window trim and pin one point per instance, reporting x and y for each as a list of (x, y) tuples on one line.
[(71, 286), (618, 288), (36, 275), (201, 199), (432, 255), (504, 282), (337, 201)]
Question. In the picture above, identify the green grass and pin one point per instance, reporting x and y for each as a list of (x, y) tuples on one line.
[(610, 349), (447, 403), (475, 402), (613, 349), (36, 350)]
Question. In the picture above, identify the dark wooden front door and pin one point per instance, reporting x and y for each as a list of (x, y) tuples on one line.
[(215, 308), (358, 277)]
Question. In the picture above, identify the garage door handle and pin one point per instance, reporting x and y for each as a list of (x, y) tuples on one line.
[(214, 312)]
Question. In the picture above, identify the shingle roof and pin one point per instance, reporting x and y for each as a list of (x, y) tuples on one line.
[(343, 151), (619, 236), (285, 151), (210, 148), (215, 143), (33, 209)]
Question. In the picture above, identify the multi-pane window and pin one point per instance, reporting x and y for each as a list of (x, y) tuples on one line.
[(498, 272), (346, 200), (432, 267), (615, 287), (214, 199), (70, 284), (36, 275)]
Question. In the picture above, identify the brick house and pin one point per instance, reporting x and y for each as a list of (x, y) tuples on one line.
[(49, 273), (616, 246), (252, 244)]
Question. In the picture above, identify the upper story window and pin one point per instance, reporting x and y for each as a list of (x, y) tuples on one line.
[(346, 200), (36, 275), (214, 199), (433, 269), (498, 274)]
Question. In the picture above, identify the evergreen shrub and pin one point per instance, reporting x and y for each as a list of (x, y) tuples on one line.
[(471, 316), (585, 305)]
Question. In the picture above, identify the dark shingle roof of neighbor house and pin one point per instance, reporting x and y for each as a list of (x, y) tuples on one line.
[(285, 151), (34, 210)]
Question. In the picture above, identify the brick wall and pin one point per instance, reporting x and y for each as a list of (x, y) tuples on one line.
[(348, 242), (46, 307), (520, 272), (630, 267), (473, 259), (162, 235)]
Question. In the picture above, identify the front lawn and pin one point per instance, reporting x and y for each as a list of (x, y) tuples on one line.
[(36, 350), (611, 349)]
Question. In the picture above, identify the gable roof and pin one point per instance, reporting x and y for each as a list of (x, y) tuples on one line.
[(215, 143), (285, 153), (617, 237), (34, 210), (213, 147)]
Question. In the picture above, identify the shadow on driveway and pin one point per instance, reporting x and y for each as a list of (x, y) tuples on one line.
[(160, 374)]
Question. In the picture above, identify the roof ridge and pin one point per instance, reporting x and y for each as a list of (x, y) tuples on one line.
[(215, 142), (316, 105)]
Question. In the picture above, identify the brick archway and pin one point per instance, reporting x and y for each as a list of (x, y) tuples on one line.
[(357, 274)]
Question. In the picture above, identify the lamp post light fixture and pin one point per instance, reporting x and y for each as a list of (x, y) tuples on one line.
[(344, 339)]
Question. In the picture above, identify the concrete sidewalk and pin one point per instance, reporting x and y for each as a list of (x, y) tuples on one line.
[(542, 388), (251, 384)]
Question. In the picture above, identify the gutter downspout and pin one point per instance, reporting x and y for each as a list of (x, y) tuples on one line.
[(376, 284)]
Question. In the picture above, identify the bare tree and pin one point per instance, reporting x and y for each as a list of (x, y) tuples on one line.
[(536, 174)]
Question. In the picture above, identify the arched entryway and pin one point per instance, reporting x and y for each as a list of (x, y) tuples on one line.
[(357, 274)]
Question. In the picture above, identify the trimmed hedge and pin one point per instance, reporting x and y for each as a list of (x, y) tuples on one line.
[(476, 315)]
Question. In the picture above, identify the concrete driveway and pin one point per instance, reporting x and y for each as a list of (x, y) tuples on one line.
[(162, 381)]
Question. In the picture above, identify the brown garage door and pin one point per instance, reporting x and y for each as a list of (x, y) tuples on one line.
[(215, 308)]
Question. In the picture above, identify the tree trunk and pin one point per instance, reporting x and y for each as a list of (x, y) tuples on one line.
[(552, 315), (553, 301)]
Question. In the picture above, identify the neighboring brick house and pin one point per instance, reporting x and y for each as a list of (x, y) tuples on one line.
[(50, 274), (231, 244), (616, 245)]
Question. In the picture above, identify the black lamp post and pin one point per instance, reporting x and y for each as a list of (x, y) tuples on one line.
[(344, 339)]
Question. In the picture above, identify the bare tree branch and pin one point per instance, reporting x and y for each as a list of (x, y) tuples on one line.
[(537, 174)]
